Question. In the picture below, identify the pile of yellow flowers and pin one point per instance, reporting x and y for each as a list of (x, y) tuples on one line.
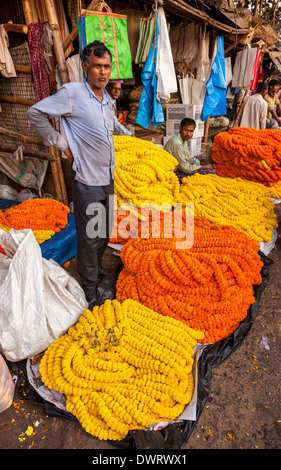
[(121, 367), (40, 235), (242, 204), (144, 172)]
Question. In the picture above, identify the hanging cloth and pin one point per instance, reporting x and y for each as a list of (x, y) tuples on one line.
[(215, 98), (244, 67), (150, 109), (37, 57), (7, 68), (165, 70), (147, 31)]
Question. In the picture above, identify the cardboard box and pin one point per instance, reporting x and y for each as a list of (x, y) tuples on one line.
[(172, 128), (194, 146), (177, 112)]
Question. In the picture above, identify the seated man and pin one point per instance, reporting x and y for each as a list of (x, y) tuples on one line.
[(114, 89), (178, 147)]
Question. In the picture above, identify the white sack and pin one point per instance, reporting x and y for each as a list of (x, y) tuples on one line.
[(39, 300)]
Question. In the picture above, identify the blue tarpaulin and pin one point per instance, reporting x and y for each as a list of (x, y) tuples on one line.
[(215, 98), (60, 247), (150, 109)]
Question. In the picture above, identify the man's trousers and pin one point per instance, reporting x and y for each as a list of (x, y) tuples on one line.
[(93, 221)]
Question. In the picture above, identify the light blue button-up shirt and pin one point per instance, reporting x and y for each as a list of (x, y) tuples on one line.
[(88, 124)]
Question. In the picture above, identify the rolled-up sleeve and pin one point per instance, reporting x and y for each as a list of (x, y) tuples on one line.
[(51, 107)]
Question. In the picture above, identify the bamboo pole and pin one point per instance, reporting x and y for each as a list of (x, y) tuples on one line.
[(16, 28), (59, 52), (24, 138), (55, 174), (28, 152), (28, 11), (70, 38), (14, 99), (236, 122), (61, 177), (22, 68)]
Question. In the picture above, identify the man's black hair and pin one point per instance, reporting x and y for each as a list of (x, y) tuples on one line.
[(262, 86), (273, 82), (98, 48), (188, 122)]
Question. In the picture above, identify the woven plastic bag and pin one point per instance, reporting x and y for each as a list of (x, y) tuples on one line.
[(111, 29), (39, 300), (7, 386)]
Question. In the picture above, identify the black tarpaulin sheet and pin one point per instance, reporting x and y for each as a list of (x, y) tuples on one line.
[(176, 435)]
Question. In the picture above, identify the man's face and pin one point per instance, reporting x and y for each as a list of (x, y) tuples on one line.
[(186, 132), (114, 89), (98, 70)]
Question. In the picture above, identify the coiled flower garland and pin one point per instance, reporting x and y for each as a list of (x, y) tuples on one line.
[(248, 153), (209, 286), (122, 367), (231, 201), (144, 172)]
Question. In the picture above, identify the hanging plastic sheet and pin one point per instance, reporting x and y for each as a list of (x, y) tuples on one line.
[(165, 70), (150, 109), (184, 42), (244, 66), (192, 90), (215, 99)]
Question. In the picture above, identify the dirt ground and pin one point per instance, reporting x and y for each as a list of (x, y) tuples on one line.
[(243, 407)]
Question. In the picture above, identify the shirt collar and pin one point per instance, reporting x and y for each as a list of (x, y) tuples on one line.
[(106, 96)]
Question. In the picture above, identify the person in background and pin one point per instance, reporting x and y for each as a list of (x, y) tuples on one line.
[(272, 120), (178, 147), (88, 121), (255, 110), (114, 89)]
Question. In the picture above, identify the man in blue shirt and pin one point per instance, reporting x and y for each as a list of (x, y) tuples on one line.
[(88, 121)]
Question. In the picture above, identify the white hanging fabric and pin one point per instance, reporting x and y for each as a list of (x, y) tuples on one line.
[(192, 90), (244, 66), (165, 70), (7, 68)]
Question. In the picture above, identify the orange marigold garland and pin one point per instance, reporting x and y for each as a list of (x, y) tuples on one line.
[(36, 214), (208, 287), (250, 154)]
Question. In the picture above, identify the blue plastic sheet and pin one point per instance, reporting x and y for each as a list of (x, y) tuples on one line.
[(62, 246), (215, 98), (150, 109)]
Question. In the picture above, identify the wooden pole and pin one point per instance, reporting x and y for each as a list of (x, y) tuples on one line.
[(55, 174), (59, 52), (14, 99), (28, 152), (16, 28), (24, 138), (61, 177), (241, 109), (28, 11)]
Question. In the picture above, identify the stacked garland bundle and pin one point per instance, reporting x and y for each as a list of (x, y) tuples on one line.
[(250, 154), (232, 201), (149, 224), (44, 217), (209, 286), (122, 367), (144, 172)]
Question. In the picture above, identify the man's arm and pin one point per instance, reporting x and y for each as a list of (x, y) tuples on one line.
[(119, 129), (51, 107)]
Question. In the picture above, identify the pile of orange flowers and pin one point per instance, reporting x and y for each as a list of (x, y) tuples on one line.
[(250, 154), (36, 214), (149, 224), (209, 287)]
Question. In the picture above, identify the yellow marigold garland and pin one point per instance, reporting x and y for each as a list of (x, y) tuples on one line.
[(209, 286), (121, 367), (144, 172), (247, 153), (232, 201)]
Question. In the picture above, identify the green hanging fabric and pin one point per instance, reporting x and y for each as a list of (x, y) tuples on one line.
[(111, 29)]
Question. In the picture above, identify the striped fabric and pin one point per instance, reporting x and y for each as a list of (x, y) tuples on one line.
[(62, 21)]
